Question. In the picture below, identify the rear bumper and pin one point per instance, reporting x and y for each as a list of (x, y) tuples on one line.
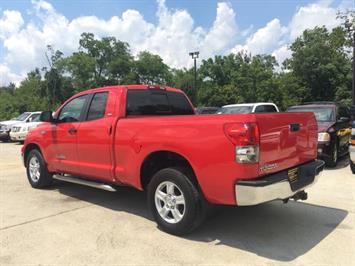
[(277, 186)]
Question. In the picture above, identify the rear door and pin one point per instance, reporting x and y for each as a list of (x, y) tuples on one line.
[(286, 140), (94, 137)]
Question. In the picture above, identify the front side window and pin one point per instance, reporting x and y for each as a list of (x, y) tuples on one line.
[(71, 112), (36, 118), (33, 117), (98, 106)]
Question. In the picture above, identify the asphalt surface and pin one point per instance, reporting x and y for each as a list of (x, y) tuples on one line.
[(73, 224)]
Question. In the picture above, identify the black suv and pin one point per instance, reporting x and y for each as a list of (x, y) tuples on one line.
[(334, 129)]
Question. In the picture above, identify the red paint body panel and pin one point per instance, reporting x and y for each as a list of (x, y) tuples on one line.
[(117, 155)]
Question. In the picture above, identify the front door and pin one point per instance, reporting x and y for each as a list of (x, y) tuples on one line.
[(64, 135)]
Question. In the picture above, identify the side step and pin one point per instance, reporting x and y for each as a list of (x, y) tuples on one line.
[(79, 181)]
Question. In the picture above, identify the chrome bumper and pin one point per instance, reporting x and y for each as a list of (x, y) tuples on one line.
[(256, 192)]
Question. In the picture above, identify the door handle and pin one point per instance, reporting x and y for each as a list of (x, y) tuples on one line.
[(295, 127), (72, 130)]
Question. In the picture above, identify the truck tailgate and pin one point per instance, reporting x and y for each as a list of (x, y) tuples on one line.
[(286, 140)]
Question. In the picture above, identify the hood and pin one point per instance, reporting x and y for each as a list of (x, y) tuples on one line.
[(324, 126), (10, 122), (29, 124)]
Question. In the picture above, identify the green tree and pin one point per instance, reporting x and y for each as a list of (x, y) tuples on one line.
[(184, 79), (321, 64), (151, 69), (99, 62)]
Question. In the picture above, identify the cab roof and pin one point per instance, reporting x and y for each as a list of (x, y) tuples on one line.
[(132, 87), (248, 104)]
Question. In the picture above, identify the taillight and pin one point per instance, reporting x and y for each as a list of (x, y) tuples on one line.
[(245, 137)]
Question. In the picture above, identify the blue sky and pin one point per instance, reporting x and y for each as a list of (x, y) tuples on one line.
[(170, 28)]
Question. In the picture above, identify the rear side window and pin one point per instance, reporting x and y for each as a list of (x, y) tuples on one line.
[(98, 106), (265, 109), (156, 102), (179, 104)]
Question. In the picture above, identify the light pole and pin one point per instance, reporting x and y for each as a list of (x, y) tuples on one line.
[(194, 56)]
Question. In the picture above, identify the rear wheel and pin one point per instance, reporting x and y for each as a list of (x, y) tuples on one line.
[(36, 169), (352, 167), (175, 203)]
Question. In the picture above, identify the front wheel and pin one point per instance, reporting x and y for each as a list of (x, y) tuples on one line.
[(36, 169), (175, 203), (333, 160), (352, 167)]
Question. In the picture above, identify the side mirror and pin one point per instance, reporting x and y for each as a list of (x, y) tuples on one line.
[(46, 116), (344, 119)]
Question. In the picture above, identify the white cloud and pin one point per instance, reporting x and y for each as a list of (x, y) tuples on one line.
[(312, 15), (264, 40), (6, 76), (282, 53), (275, 38), (174, 36), (10, 22)]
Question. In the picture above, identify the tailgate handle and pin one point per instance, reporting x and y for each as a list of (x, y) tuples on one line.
[(294, 127)]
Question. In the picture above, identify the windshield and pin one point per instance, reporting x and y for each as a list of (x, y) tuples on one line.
[(322, 114), (22, 117), (235, 110)]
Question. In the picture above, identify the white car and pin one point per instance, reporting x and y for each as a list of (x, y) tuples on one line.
[(247, 108), (5, 126), (19, 131)]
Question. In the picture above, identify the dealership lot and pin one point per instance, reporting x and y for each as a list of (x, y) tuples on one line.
[(72, 224)]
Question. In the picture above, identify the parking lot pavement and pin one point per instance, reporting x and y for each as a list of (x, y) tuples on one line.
[(72, 224)]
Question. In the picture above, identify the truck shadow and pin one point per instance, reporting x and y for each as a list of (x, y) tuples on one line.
[(274, 230)]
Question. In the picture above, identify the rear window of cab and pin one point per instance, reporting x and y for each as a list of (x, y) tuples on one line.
[(157, 102)]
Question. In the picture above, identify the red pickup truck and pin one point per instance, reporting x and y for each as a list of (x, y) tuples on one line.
[(150, 138)]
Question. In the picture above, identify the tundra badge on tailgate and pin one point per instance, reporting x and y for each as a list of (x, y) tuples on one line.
[(268, 167)]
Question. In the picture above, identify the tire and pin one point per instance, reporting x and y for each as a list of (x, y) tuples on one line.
[(333, 161), (36, 170), (352, 167), (179, 215)]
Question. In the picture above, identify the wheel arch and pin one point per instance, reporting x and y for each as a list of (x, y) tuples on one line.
[(30, 147), (161, 159)]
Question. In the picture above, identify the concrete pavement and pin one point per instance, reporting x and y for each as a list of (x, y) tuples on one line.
[(73, 224)]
